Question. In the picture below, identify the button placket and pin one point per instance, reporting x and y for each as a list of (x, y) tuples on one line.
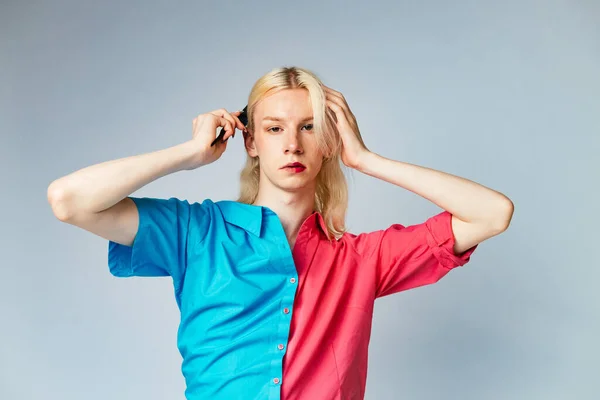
[(287, 269)]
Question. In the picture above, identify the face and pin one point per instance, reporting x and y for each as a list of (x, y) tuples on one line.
[(284, 141)]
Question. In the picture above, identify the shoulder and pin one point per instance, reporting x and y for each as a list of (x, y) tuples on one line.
[(174, 204), (437, 227), (175, 212), (361, 243)]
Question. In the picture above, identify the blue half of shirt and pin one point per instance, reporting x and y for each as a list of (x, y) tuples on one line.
[(232, 271)]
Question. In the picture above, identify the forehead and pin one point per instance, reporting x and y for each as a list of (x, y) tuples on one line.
[(285, 104)]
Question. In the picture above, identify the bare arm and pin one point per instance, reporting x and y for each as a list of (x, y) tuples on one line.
[(478, 212), (95, 198)]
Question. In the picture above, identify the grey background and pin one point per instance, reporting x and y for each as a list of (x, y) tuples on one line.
[(503, 93)]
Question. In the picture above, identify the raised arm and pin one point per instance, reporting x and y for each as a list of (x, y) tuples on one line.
[(478, 212), (95, 198)]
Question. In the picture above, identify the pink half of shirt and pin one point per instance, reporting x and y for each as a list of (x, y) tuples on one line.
[(338, 282)]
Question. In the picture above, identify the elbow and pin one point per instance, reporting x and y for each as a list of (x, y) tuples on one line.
[(57, 198), (503, 215)]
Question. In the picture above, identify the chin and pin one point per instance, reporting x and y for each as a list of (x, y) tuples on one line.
[(291, 182), (294, 186), (296, 183)]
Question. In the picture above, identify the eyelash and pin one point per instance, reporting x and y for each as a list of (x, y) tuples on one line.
[(270, 129)]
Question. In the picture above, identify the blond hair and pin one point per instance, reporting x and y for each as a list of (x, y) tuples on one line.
[(331, 195)]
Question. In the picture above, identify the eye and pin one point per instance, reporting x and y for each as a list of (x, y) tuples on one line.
[(308, 127), (274, 129)]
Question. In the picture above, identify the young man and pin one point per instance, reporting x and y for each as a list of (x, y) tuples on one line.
[(276, 298)]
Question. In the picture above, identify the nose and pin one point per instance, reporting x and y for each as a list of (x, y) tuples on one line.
[(292, 144)]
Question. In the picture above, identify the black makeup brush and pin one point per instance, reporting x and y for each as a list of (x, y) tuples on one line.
[(243, 117)]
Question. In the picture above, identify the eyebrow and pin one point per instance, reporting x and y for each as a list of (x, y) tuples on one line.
[(280, 119)]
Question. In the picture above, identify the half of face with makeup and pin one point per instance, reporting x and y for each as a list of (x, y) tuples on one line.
[(284, 141)]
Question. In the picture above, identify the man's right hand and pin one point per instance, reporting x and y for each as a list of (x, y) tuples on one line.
[(204, 132), (95, 198)]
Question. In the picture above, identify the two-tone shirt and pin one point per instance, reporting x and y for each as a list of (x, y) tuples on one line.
[(260, 320)]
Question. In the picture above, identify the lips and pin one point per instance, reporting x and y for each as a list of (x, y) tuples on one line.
[(295, 167)]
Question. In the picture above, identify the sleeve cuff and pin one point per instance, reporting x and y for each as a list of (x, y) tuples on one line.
[(125, 261), (440, 238)]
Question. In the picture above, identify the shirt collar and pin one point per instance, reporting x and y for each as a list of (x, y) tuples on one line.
[(246, 216), (250, 217), (316, 220)]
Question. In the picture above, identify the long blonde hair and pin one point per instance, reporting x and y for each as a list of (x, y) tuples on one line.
[(331, 195)]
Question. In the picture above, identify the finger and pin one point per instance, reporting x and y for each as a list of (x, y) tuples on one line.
[(222, 146), (223, 113), (331, 113), (227, 127), (235, 122), (338, 97), (338, 111), (239, 124), (342, 103), (334, 93), (219, 113), (229, 130), (341, 100), (343, 110), (335, 98)]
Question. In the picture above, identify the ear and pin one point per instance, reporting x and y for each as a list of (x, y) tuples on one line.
[(250, 144)]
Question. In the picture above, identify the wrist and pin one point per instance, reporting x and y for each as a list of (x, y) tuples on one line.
[(365, 161), (188, 155)]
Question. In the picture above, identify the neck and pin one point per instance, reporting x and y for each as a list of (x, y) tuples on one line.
[(292, 208)]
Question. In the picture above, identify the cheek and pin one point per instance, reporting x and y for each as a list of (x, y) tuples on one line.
[(261, 146), (266, 152), (265, 149), (315, 154), (319, 163)]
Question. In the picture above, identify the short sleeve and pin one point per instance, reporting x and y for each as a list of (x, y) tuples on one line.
[(416, 255), (159, 247)]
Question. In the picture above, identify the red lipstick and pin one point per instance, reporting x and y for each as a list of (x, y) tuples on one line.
[(295, 167)]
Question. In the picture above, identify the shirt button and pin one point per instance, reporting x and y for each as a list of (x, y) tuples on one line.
[(280, 346), (276, 380), (286, 310), (293, 280)]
